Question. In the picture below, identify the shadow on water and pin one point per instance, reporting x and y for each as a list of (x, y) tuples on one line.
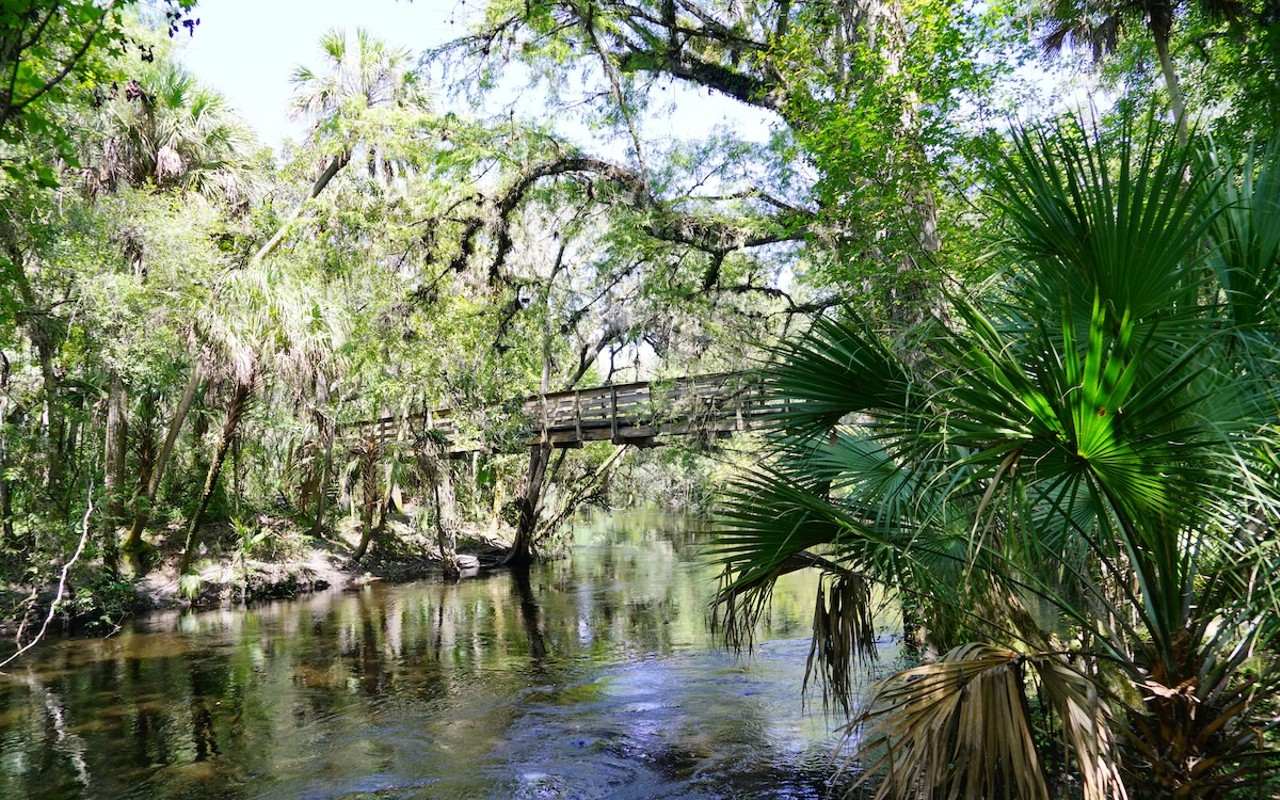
[(588, 677)]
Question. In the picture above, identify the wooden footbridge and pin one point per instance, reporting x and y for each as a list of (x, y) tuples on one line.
[(642, 414)]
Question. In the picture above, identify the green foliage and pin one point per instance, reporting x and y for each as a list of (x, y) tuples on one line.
[(187, 324), (1070, 466), (101, 601), (49, 52)]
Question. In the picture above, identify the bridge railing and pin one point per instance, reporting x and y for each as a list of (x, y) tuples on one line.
[(627, 413)]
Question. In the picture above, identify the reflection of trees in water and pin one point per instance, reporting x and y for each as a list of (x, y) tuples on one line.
[(205, 685), (529, 616), (373, 622), (62, 759), (284, 690), (111, 726)]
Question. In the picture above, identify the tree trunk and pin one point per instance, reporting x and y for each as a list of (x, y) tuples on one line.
[(1177, 104), (131, 547), (913, 631), (385, 498), (115, 448), (142, 505), (530, 506), (905, 165), (442, 498), (6, 497), (369, 494), (51, 411), (328, 431), (586, 487), (236, 406), (330, 171), (46, 350)]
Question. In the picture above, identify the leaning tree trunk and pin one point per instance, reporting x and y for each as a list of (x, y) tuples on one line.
[(586, 487), (142, 504), (236, 406), (339, 161), (530, 505)]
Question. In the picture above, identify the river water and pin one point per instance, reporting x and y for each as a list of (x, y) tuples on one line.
[(596, 678)]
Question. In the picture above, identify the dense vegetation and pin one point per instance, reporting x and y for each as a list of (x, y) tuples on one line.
[(1031, 368), (1072, 480)]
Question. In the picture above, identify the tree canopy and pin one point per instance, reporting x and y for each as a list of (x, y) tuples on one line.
[(1028, 358)]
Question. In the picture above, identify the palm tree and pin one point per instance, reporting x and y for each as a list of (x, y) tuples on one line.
[(1077, 477), (261, 323), (370, 74), (357, 78), (163, 130), (166, 130)]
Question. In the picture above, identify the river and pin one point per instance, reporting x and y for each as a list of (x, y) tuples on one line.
[(596, 678)]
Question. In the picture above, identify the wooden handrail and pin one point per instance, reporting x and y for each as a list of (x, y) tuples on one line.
[(627, 412)]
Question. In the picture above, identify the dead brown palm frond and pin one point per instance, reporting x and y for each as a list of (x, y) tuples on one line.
[(958, 728), (1087, 727), (169, 164), (963, 727), (844, 636)]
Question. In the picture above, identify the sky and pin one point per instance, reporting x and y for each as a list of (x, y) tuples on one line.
[(248, 49)]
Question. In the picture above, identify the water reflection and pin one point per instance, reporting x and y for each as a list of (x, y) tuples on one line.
[(592, 677)]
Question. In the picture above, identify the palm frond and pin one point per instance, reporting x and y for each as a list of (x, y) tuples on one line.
[(1088, 471), (1246, 235), (1110, 215), (838, 368), (958, 728), (844, 637), (1087, 726)]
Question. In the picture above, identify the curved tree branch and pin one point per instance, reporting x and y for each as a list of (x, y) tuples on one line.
[(714, 235)]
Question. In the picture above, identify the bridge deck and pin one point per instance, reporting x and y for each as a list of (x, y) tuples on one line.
[(630, 413)]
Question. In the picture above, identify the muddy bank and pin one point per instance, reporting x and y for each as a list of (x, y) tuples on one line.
[(278, 560)]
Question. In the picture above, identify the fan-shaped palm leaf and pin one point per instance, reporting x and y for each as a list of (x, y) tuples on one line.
[(1084, 474)]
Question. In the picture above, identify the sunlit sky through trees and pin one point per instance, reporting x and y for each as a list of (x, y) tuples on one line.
[(248, 49)]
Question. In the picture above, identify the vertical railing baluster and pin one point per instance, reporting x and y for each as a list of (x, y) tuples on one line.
[(613, 416)]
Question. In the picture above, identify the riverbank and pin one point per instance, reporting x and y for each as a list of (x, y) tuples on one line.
[(268, 559), (298, 564)]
